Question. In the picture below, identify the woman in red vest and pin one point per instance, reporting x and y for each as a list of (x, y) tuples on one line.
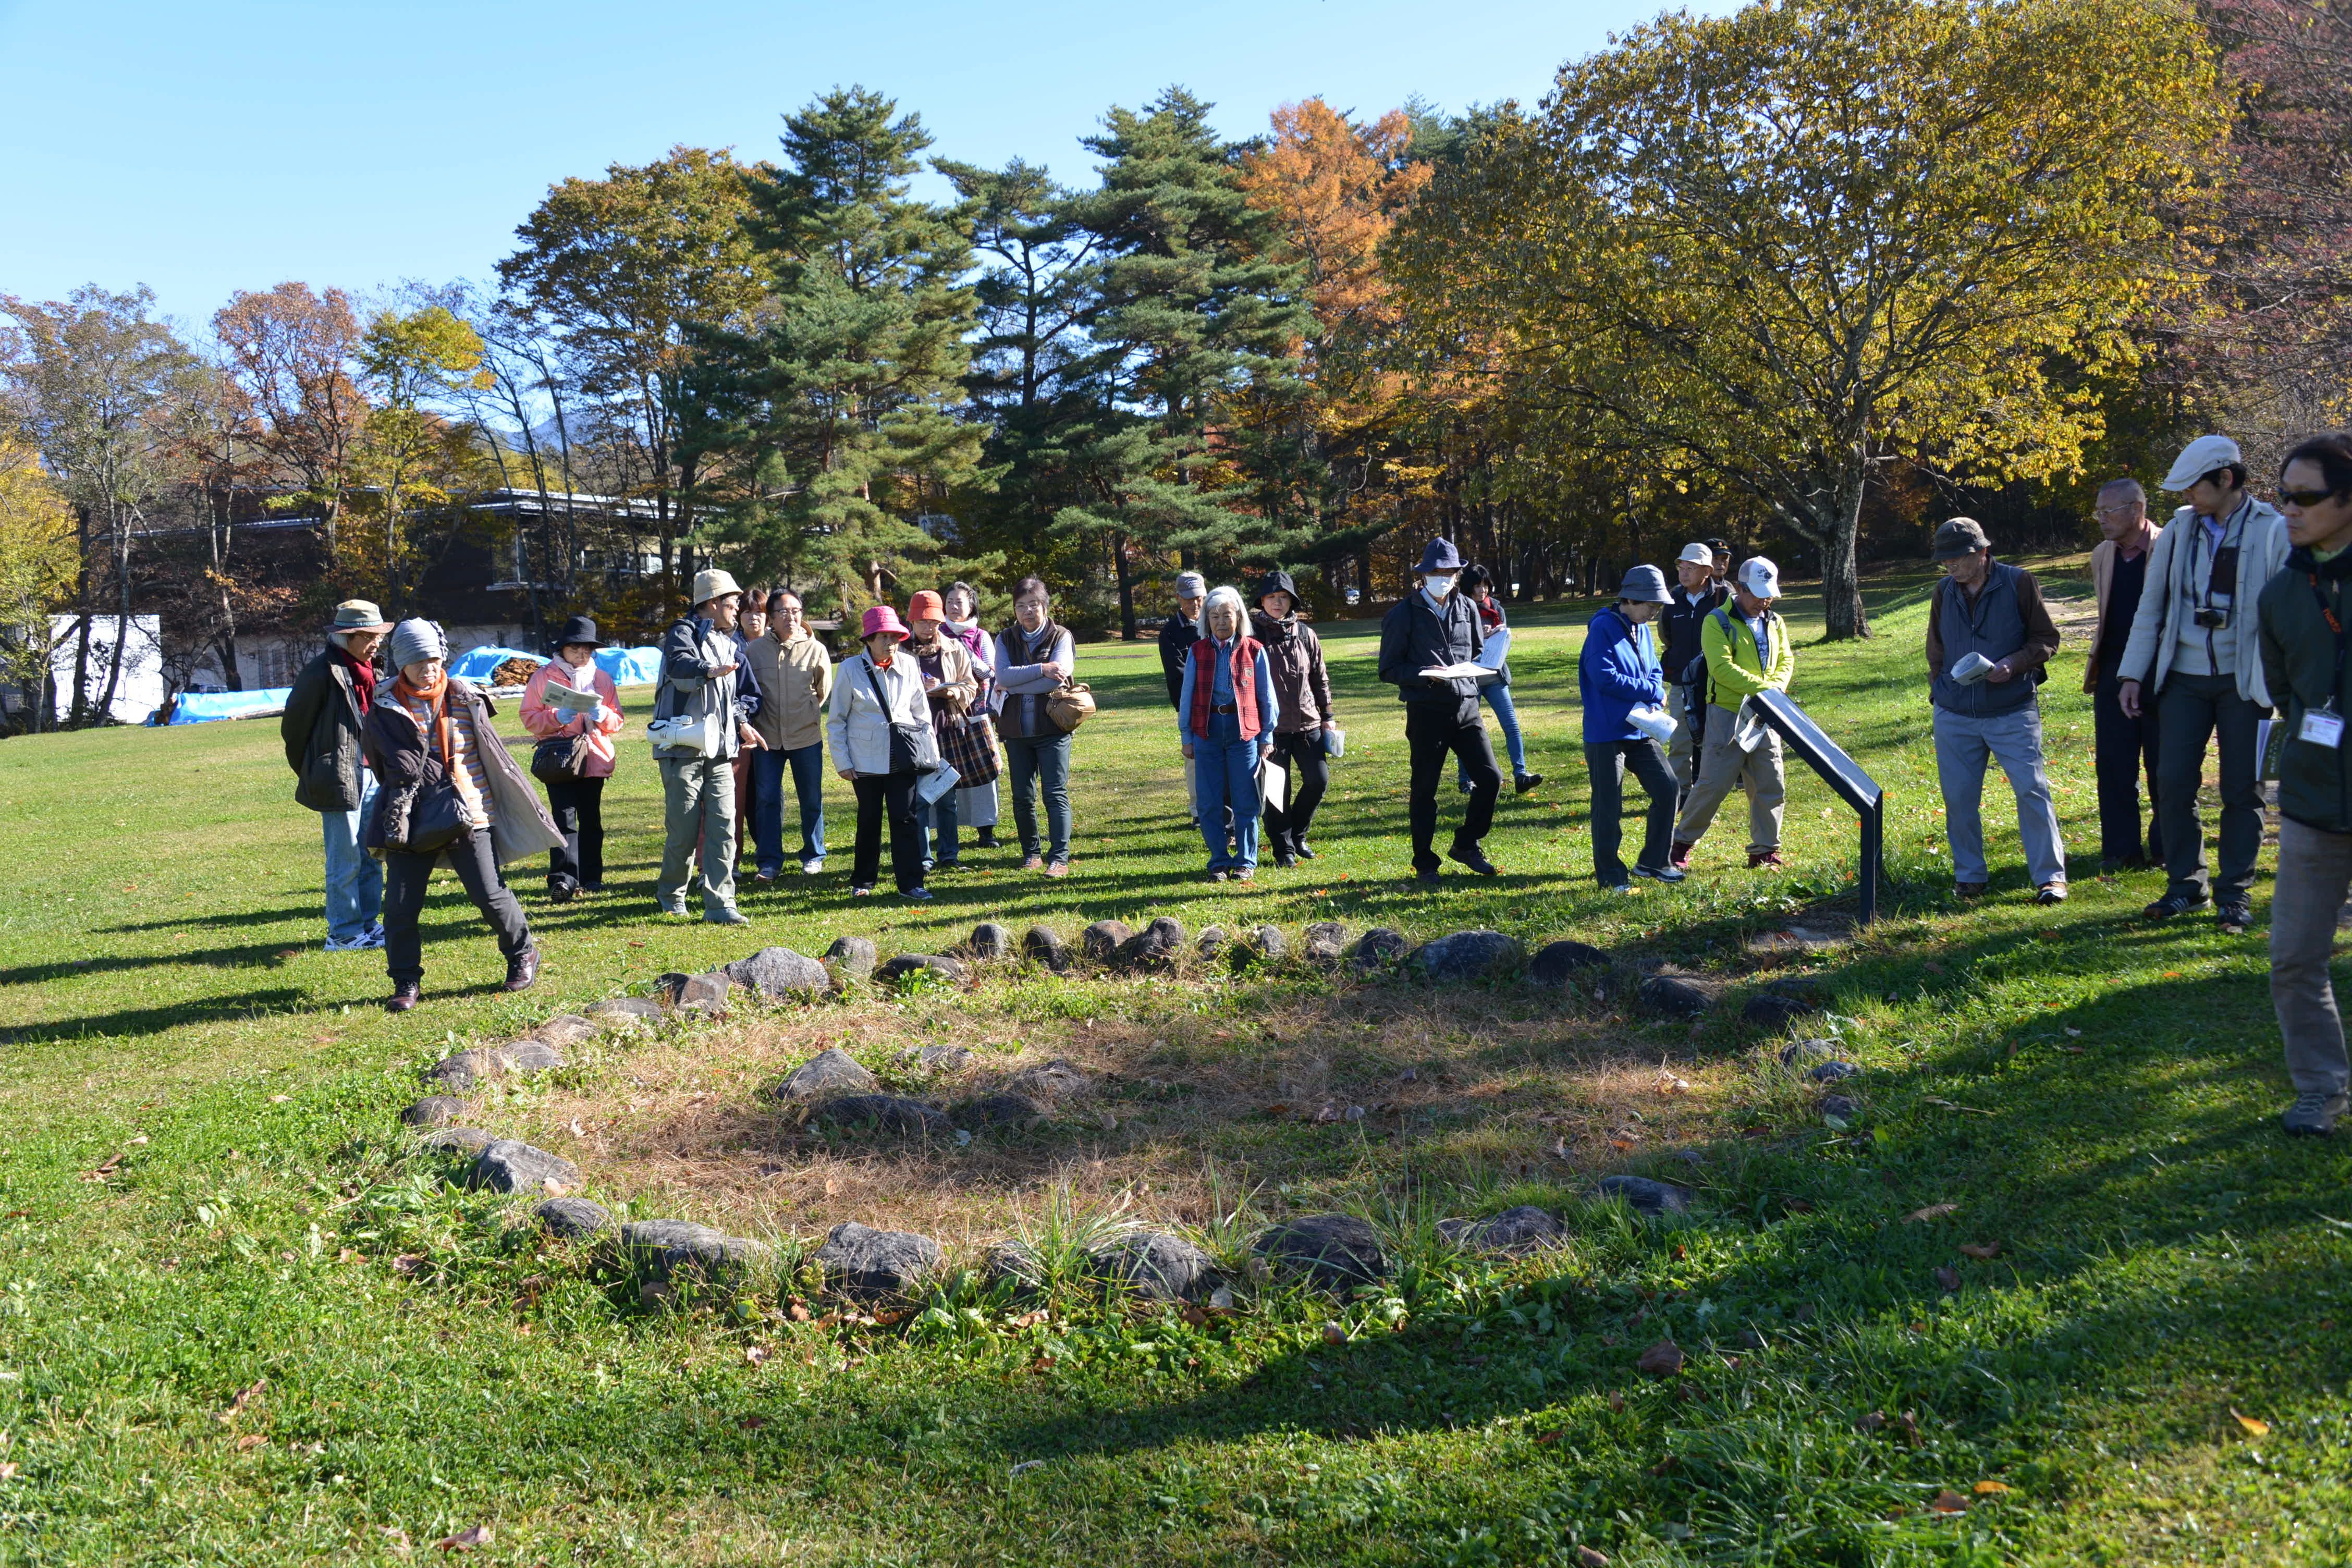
[(1225, 718)]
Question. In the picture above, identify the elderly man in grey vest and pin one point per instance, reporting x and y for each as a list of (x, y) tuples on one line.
[(1989, 639)]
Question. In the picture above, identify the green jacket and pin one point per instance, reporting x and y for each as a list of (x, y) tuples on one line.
[(1734, 673), (2300, 665)]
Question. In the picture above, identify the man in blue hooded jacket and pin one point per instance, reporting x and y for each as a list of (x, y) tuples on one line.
[(1618, 673)]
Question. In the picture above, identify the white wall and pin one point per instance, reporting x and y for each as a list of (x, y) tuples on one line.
[(138, 692)]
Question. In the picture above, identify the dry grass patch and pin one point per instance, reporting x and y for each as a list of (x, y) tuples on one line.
[(1187, 1115)]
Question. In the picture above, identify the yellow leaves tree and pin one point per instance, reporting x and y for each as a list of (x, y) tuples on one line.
[(38, 560), (410, 455)]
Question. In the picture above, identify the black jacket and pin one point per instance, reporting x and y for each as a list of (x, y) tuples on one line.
[(2300, 663), (1414, 637), (1177, 636), (321, 730), (1681, 627)]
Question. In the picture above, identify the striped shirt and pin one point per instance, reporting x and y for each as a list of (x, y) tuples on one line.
[(465, 751)]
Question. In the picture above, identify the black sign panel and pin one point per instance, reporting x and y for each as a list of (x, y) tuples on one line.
[(1820, 754)]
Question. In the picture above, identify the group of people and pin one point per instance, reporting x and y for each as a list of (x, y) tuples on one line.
[(2225, 629)]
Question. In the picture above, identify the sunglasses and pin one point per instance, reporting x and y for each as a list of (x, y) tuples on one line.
[(2304, 498)]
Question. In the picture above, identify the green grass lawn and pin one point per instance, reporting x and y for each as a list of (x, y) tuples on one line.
[(2095, 1096)]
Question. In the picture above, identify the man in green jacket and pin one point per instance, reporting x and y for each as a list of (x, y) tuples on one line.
[(2305, 613), (1747, 651)]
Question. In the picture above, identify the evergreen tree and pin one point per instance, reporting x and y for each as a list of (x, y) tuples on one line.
[(1192, 309), (838, 409)]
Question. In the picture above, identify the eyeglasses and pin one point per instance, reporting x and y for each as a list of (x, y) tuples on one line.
[(2305, 498)]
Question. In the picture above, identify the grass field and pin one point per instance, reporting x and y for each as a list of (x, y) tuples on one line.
[(209, 1353)]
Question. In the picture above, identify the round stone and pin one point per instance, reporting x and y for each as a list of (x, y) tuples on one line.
[(1002, 1111), (434, 1110), (777, 973), (884, 1113), (1841, 1107), (466, 1069), (1834, 1072), (1100, 941), (1645, 1195), (1808, 1051), (907, 966), (467, 1141), (1213, 943), (526, 1059), (1153, 947), (1329, 1251), (563, 1030), (1051, 1081), (571, 1219), (671, 1247), (851, 955), (1675, 996), (1767, 1011), (1380, 948), (989, 940), (1463, 957), (1323, 943), (1557, 962), (869, 1264), (1157, 1267), (1040, 945), (1513, 1233), (830, 1072), (510, 1166)]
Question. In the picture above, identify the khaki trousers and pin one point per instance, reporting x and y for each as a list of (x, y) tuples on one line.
[(1721, 766), (2314, 869), (698, 796)]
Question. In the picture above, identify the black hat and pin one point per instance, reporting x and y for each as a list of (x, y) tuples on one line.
[(578, 629), (1276, 582)]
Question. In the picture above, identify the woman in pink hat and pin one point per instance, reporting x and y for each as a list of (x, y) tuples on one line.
[(872, 692)]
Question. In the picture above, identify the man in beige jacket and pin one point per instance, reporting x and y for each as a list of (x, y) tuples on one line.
[(795, 678)]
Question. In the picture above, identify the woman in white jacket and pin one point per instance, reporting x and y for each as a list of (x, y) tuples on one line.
[(870, 691)]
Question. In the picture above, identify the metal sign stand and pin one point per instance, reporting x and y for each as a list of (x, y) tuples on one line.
[(1845, 778)]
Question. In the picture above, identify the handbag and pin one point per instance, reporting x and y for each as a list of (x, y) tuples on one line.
[(913, 747), (1069, 706), (970, 748), (559, 759), (434, 820)]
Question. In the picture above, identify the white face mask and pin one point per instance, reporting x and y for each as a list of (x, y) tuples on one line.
[(1439, 584)]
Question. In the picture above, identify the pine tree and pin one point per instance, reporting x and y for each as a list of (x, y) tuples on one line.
[(1192, 309), (838, 413)]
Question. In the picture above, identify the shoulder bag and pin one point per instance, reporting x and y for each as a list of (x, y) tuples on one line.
[(560, 758), (1070, 707), (913, 747)]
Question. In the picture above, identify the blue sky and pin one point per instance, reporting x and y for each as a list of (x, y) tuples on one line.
[(203, 147)]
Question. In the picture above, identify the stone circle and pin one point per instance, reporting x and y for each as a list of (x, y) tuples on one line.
[(467, 1141), (1382, 947), (1645, 1195), (1002, 1111), (909, 964), (1672, 996), (571, 1219), (1156, 1267), (1462, 957), (511, 1165), (1323, 943), (1514, 1233), (1100, 941), (829, 1072), (669, 1248), (869, 1264), (1329, 1251), (884, 1113), (778, 972), (989, 940), (434, 1110), (852, 956), (1558, 962), (527, 1058), (1042, 945)]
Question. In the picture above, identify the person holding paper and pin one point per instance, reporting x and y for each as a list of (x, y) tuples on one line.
[(705, 682), (1303, 690), (2194, 657), (975, 741), (1430, 645), (1988, 638), (1495, 690), (1227, 716), (874, 693), (951, 685), (1696, 595), (1745, 645), (1623, 689), (586, 703), (2305, 611)]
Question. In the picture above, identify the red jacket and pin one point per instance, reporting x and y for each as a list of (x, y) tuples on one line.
[(1245, 680)]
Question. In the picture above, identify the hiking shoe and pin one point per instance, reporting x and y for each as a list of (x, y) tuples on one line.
[(1216, 873), (1526, 781), (1971, 889), (1058, 868), (1617, 887), (730, 916), (373, 938), (2313, 1114), (522, 969), (359, 944), (2235, 916), (917, 895), (1246, 874), (674, 910), (1679, 857), (1034, 863), (1472, 856), (1661, 873), (403, 997), (562, 889), (864, 891), (2180, 901), (813, 867), (1463, 785), (1760, 860), (2050, 893)]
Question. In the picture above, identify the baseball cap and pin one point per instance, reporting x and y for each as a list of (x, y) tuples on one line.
[(1760, 577), (1960, 536), (1697, 554), (2200, 457)]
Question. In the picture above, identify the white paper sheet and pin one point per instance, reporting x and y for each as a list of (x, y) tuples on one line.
[(1272, 784), (1455, 672)]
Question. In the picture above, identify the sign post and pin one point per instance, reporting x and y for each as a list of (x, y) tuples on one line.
[(1844, 777)]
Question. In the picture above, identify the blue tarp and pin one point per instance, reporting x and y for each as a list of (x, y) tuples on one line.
[(476, 663), (205, 707), (630, 666)]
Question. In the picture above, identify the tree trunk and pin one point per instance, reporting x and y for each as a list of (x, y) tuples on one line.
[(1841, 578)]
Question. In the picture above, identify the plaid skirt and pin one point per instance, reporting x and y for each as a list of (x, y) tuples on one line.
[(969, 746)]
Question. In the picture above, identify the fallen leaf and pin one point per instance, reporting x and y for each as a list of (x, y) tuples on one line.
[(1588, 1557), (1662, 1466), (347, 1254), (249, 1442), (466, 1541), (752, 1423), (1985, 1252), (140, 1141), (1661, 1360), (408, 1263), (1990, 1488), (1616, 1400), (280, 1099), (1277, 1109), (756, 1355), (1545, 1439), (100, 1173), (2255, 1426), (1333, 1334), (797, 1311), (1909, 1426), (1799, 1205), (1026, 1320), (244, 1396), (8, 1470), (1949, 1501), (1948, 1278), (1933, 1211)]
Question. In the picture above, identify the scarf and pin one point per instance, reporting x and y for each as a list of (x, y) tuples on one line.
[(436, 696), (363, 679)]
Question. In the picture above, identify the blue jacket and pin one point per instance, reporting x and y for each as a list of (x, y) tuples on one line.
[(1618, 672)]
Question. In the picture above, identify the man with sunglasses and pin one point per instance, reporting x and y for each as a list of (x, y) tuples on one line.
[(2305, 611), (2194, 656)]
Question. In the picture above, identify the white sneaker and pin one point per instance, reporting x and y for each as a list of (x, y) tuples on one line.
[(372, 938), (811, 868), (343, 944)]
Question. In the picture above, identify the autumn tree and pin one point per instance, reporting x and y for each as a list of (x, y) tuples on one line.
[(38, 568), (290, 354), (839, 407), (1198, 310), (620, 271), (95, 380), (1784, 245), (415, 365)]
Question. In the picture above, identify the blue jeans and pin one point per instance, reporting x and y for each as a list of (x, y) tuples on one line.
[(1224, 773), (768, 804), (1497, 696), (937, 821), (1038, 765), (354, 879)]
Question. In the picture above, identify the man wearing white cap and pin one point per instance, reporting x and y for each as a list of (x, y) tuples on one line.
[(702, 719), (2195, 656), (1696, 595), (1747, 648)]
